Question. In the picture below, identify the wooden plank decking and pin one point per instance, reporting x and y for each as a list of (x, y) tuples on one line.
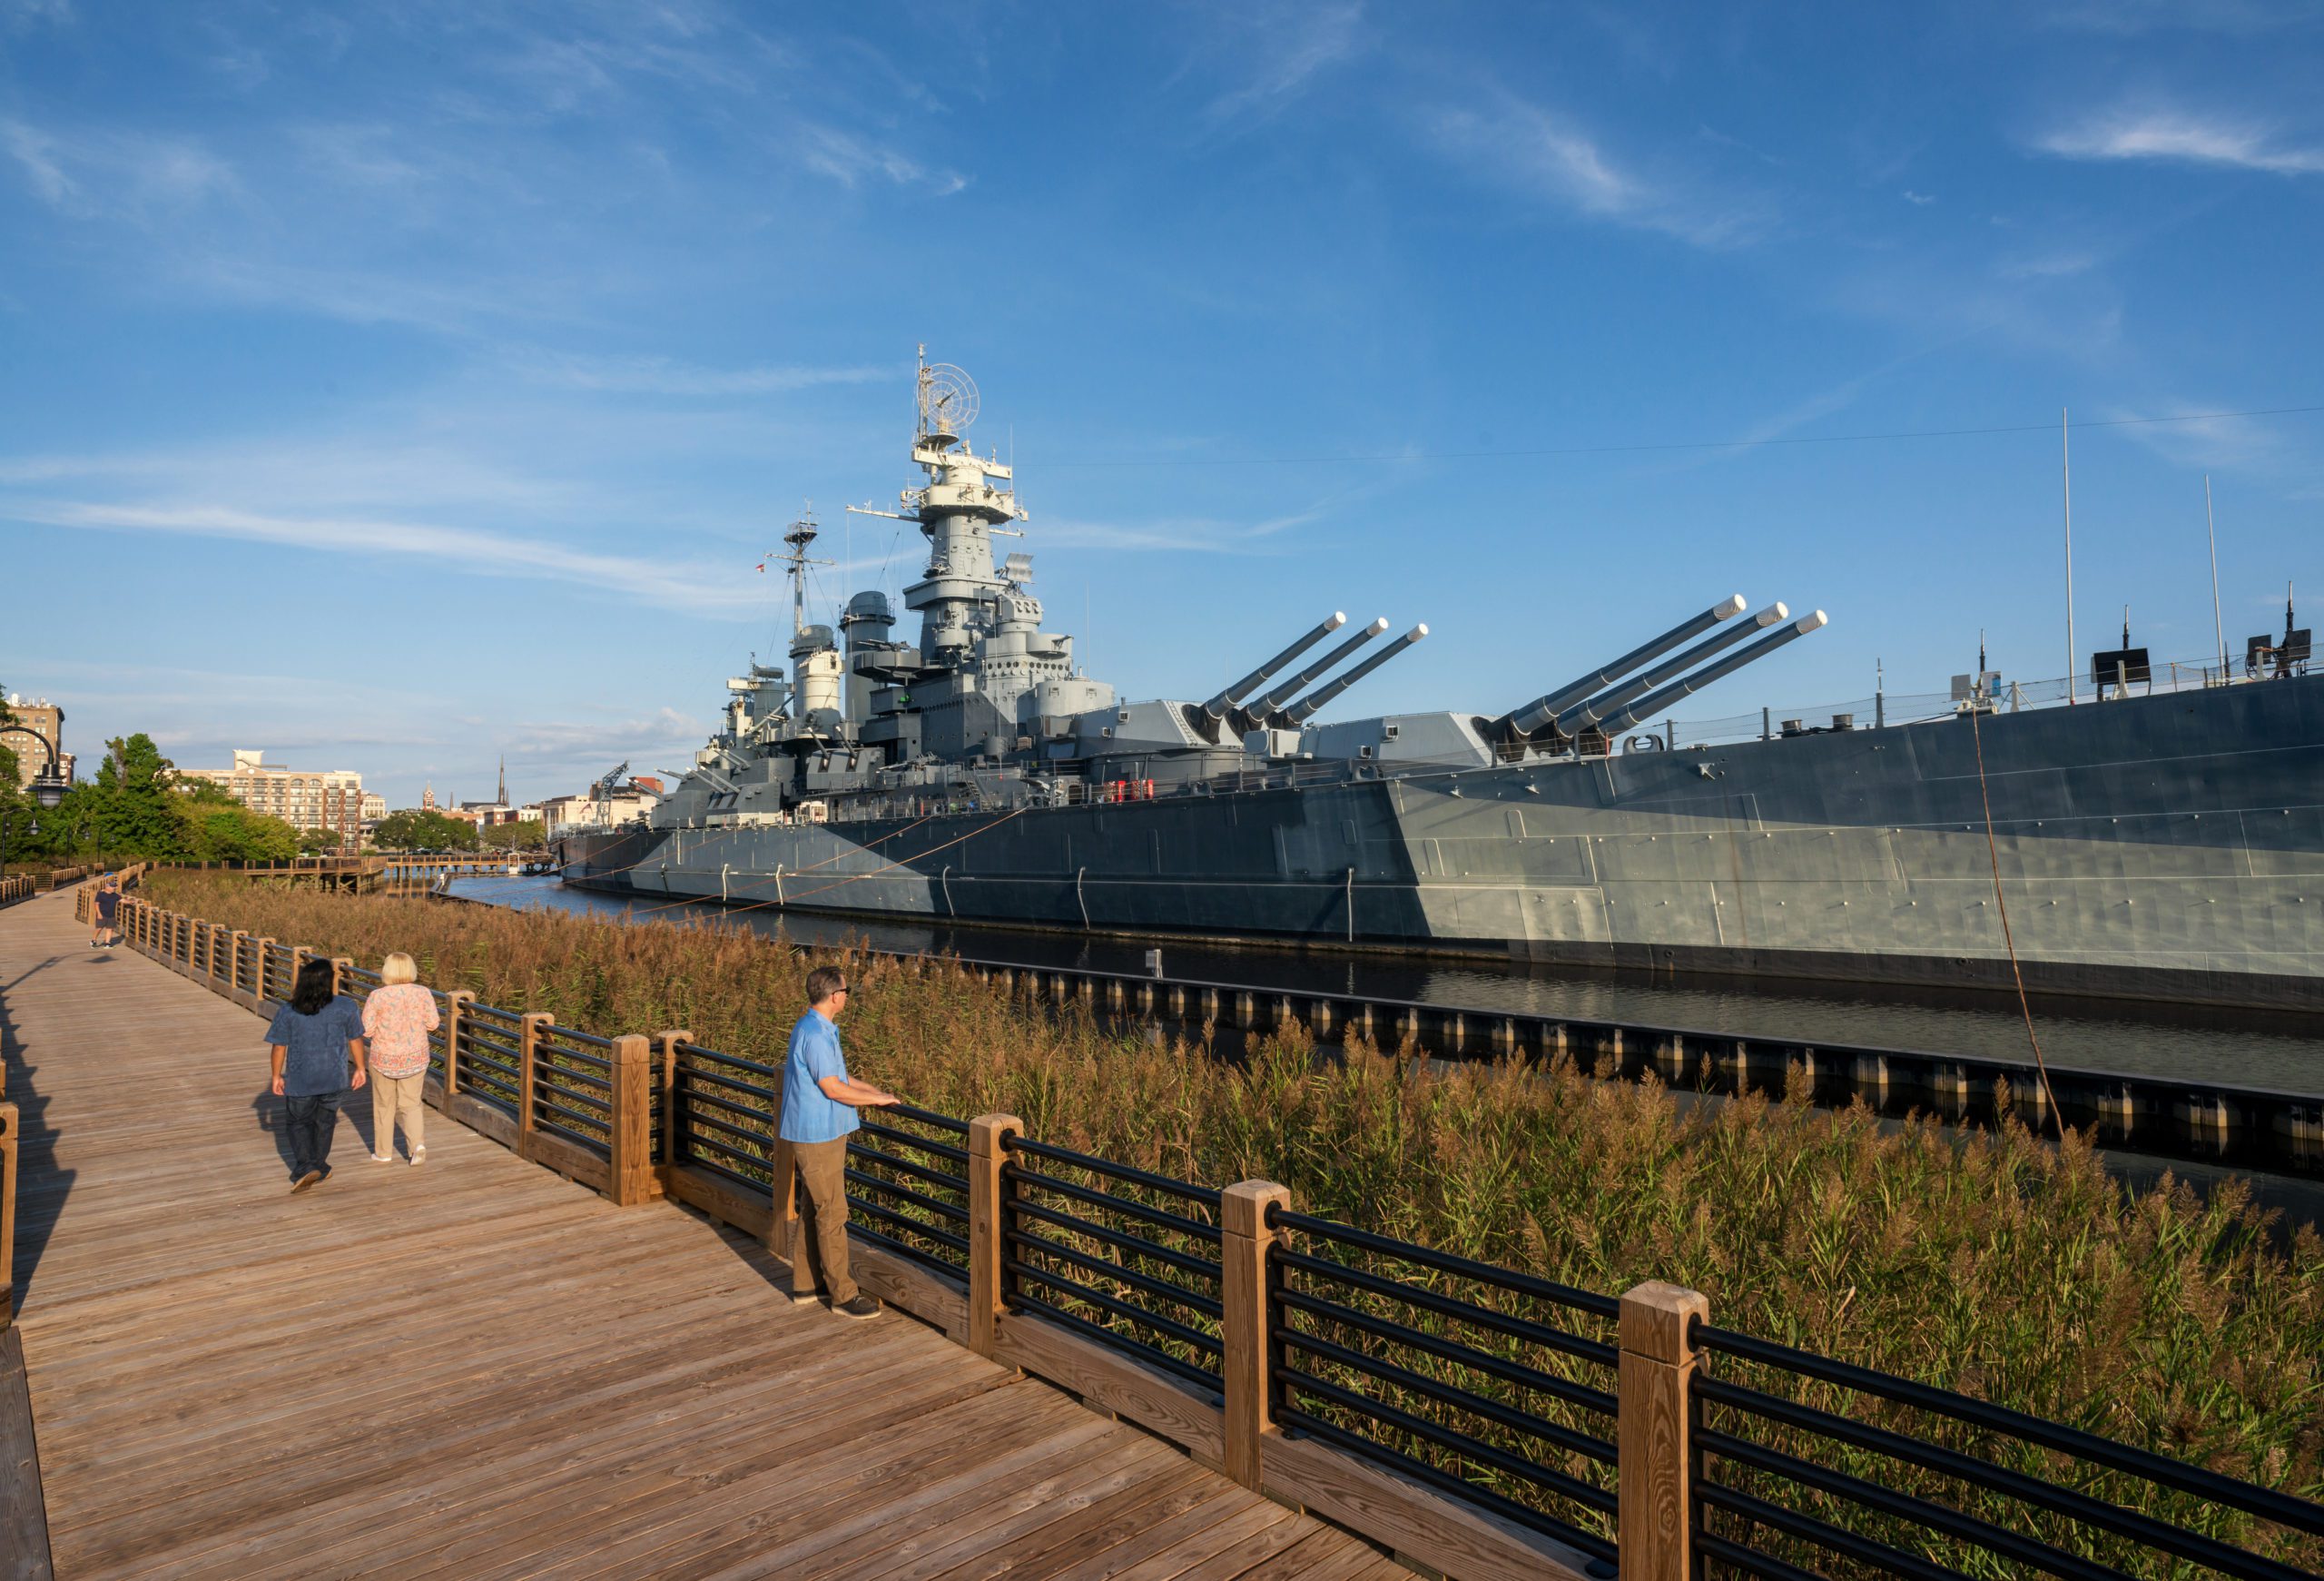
[(476, 1368)]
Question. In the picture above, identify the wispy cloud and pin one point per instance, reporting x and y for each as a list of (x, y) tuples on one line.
[(1282, 51), (119, 174), (1918, 200), (2180, 137), (667, 376), (701, 589), (1549, 155), (2131, 17), (851, 159)]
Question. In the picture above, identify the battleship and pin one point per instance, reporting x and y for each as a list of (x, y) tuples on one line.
[(2167, 845)]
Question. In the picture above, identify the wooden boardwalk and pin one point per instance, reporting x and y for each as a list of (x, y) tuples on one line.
[(476, 1368)]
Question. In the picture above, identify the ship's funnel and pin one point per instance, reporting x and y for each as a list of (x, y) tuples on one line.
[(1219, 705), (1654, 702), (1283, 694), (1582, 716), (1545, 709), (1307, 706)]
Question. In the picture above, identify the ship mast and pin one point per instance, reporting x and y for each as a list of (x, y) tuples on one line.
[(801, 533)]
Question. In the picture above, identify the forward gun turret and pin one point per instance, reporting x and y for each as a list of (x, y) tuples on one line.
[(1217, 708)]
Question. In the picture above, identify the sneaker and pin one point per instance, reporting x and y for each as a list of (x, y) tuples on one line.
[(305, 1180), (383, 1158), (862, 1308), (418, 1157), (807, 1298)]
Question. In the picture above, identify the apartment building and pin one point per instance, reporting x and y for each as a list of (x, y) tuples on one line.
[(302, 798)]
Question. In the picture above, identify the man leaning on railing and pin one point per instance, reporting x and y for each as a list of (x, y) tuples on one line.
[(819, 1104)]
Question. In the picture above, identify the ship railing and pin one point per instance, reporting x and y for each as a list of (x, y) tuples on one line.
[(1474, 1416), (1884, 708)]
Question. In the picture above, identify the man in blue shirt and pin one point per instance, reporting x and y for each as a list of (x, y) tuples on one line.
[(819, 1104)]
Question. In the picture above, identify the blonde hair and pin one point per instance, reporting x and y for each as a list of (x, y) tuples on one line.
[(398, 968)]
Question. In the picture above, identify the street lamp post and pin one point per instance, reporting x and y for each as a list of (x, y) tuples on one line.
[(48, 788)]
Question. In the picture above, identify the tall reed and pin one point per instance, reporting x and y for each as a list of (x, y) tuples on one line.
[(1991, 1262)]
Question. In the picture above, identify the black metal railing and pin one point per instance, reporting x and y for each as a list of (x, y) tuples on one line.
[(1120, 1255), (1449, 1370), (724, 1115), (492, 1057), (1947, 1485), (573, 1086), (904, 1176)]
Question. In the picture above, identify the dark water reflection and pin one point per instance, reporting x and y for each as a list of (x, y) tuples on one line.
[(2281, 1050)]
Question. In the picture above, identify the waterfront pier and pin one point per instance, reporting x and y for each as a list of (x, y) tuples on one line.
[(477, 1368)]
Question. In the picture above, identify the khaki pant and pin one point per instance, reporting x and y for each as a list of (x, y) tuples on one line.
[(819, 1235), (394, 1097)]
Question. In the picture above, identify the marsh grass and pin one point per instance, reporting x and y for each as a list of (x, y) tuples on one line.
[(1990, 1262)]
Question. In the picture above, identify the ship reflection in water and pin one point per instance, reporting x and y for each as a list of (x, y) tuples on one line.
[(2281, 1050)]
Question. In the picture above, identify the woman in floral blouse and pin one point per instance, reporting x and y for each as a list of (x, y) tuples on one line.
[(396, 1019)]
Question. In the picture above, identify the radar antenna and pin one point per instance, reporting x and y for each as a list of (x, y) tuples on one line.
[(947, 400)]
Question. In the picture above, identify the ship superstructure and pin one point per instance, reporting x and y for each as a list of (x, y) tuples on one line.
[(977, 773)]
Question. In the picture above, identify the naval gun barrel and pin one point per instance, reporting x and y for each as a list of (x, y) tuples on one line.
[(1582, 715), (1545, 709), (1219, 705), (1291, 688), (1654, 702), (1305, 708)]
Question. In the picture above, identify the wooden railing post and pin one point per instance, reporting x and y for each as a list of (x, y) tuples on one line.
[(989, 1137), (1246, 1297), (1656, 1521), (299, 964), (631, 1179), (342, 973), (257, 988), (7, 1214), (456, 1005), (234, 961), (665, 1073), (529, 1044)]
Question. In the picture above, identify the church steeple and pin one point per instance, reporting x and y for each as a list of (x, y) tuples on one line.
[(427, 797), (500, 799)]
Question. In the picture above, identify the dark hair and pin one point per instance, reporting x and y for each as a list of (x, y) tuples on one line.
[(823, 981), (314, 988)]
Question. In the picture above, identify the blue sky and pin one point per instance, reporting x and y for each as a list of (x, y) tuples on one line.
[(397, 387)]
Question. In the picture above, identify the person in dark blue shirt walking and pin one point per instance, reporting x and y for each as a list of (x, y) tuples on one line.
[(315, 1040), (819, 1104)]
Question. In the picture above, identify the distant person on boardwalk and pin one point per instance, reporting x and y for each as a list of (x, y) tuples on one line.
[(316, 1040), (819, 1104), (397, 1016), (106, 912)]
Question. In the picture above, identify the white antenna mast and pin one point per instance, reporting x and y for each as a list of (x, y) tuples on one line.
[(2065, 464), (2211, 531)]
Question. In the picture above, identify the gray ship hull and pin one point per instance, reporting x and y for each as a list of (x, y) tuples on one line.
[(2168, 846)]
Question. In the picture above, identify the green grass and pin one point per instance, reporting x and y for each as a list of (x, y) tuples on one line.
[(1989, 1263)]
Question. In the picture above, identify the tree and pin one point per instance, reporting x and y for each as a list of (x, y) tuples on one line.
[(419, 829), (524, 835), (319, 842), (134, 811)]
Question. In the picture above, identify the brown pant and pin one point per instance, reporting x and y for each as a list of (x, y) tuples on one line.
[(819, 1235), (392, 1096)]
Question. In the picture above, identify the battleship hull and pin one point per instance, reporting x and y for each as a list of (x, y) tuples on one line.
[(2168, 846)]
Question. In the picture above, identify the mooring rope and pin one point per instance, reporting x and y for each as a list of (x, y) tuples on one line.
[(1992, 854)]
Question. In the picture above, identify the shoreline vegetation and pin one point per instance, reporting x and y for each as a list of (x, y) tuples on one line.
[(1991, 1262)]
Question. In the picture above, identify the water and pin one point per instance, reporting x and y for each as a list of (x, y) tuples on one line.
[(2280, 1049)]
